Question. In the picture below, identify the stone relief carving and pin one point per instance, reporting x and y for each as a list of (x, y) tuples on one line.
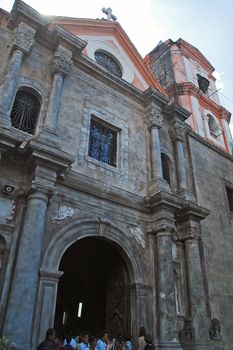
[(64, 212), (62, 61), (138, 235), (215, 330), (7, 208), (24, 37)]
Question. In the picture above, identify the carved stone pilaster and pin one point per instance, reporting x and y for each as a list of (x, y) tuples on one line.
[(62, 60), (24, 38)]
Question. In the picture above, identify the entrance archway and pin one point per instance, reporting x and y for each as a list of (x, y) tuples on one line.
[(118, 238), (94, 291)]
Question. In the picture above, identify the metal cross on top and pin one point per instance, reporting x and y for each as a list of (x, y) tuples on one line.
[(109, 14)]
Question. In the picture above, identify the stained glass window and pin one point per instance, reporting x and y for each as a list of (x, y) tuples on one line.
[(108, 62), (25, 111), (102, 143)]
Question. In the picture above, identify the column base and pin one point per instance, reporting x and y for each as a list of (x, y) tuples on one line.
[(185, 194), (50, 137), (170, 345), (197, 346), (158, 184), (4, 118)]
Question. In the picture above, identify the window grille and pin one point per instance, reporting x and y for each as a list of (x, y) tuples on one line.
[(25, 111), (108, 62), (102, 143)]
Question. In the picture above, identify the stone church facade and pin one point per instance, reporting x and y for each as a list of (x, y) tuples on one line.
[(128, 155)]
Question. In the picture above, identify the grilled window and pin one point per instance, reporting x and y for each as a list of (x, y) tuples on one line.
[(102, 143), (108, 62), (25, 111)]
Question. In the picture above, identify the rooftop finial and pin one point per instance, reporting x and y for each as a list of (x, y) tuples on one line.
[(109, 14)]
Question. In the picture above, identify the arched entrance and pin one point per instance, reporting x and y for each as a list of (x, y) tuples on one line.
[(94, 291), (119, 240)]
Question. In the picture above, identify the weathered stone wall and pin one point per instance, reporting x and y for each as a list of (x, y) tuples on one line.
[(212, 172)]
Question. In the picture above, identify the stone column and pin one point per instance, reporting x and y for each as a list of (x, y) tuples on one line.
[(168, 333), (22, 45), (178, 137), (20, 311), (61, 65), (46, 304), (154, 122), (196, 293)]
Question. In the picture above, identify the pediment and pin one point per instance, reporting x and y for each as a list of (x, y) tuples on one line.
[(109, 37)]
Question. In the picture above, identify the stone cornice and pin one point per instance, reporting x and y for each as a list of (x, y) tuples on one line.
[(127, 89), (176, 112), (164, 200), (71, 41), (151, 95), (210, 144), (98, 189), (23, 12), (54, 158), (192, 211), (188, 88)]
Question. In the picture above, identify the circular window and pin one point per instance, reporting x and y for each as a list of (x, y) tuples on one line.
[(108, 62)]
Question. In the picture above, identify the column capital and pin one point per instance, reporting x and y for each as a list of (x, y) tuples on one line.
[(62, 60), (24, 38), (189, 231), (154, 117), (166, 229), (178, 131)]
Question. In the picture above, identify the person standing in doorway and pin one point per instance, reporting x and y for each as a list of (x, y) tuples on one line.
[(149, 343), (141, 338), (85, 342), (49, 342), (103, 341)]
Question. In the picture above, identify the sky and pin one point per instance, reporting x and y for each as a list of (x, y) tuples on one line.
[(205, 24)]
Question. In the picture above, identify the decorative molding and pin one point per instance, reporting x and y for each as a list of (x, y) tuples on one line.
[(7, 209), (24, 38), (62, 60), (138, 235), (63, 213)]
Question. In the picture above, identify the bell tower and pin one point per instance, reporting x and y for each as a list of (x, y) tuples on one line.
[(187, 76)]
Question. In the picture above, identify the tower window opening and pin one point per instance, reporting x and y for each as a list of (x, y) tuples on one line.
[(203, 83)]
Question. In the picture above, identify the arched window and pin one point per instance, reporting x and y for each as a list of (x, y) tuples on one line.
[(165, 169), (25, 111), (108, 62), (214, 127), (203, 83)]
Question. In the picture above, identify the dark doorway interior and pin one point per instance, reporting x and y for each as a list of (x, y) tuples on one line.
[(95, 275)]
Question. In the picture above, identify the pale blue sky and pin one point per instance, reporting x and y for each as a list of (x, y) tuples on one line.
[(205, 24)]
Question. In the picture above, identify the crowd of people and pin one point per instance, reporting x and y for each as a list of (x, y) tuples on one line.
[(102, 342)]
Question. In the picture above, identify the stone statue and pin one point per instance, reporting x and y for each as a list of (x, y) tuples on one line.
[(187, 334), (215, 330)]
